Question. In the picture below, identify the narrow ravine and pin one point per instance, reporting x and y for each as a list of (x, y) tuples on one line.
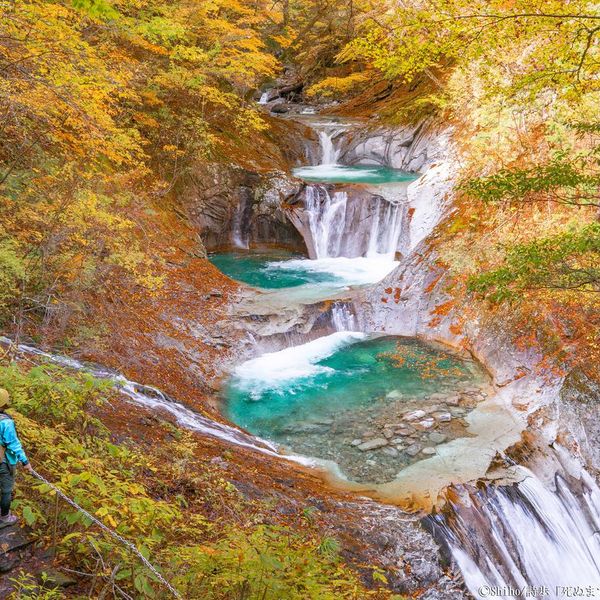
[(372, 405)]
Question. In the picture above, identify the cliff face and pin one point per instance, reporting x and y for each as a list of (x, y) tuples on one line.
[(234, 204)]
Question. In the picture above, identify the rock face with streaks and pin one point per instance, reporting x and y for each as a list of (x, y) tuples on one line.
[(410, 148), (580, 411), (238, 207), (232, 207)]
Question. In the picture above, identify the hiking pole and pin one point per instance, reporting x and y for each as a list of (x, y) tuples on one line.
[(112, 533)]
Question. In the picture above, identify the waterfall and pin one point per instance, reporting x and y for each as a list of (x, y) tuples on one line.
[(338, 224), (326, 220), (264, 98), (329, 153), (386, 227), (239, 238), (342, 317), (527, 535), (154, 399)]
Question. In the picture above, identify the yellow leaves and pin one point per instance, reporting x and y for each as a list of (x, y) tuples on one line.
[(335, 86), (173, 150), (248, 120), (145, 120), (191, 54), (150, 99), (285, 41)]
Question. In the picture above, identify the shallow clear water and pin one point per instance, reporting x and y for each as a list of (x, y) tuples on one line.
[(353, 174), (320, 397), (280, 269)]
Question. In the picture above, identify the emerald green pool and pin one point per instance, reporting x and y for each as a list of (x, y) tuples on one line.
[(353, 174), (262, 269), (322, 398), (277, 269)]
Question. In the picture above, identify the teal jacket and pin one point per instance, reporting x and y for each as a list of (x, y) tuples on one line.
[(10, 440)]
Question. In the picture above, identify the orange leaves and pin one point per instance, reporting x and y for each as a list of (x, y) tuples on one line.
[(456, 329), (444, 308)]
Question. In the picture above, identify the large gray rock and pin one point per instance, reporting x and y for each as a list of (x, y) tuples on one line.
[(233, 207), (580, 414)]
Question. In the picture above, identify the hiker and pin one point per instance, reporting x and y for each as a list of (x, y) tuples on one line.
[(11, 452)]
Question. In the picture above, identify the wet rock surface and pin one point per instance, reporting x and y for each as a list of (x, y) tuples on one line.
[(580, 414), (406, 551)]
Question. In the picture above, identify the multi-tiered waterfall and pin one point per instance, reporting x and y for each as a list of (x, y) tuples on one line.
[(349, 220)]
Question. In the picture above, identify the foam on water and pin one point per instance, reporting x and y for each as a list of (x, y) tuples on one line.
[(361, 270), (276, 369)]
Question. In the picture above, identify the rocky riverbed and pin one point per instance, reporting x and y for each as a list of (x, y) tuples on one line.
[(373, 444)]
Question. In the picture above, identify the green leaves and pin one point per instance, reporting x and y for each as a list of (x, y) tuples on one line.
[(96, 8), (562, 180), (569, 261)]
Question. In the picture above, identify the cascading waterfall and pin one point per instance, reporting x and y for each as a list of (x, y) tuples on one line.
[(351, 222), (527, 535), (329, 153), (153, 398), (264, 98), (342, 317), (386, 228), (333, 225), (238, 238), (326, 220)]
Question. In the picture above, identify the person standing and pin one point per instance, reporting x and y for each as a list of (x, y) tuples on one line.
[(11, 453)]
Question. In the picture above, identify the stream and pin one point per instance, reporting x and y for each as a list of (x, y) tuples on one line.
[(378, 407), (383, 413)]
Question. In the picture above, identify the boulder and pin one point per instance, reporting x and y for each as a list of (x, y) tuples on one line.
[(414, 415), (373, 444)]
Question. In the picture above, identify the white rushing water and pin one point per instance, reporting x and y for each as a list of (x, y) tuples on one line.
[(342, 317), (329, 153), (273, 370), (154, 399), (332, 227), (361, 270), (529, 535), (264, 98), (326, 220)]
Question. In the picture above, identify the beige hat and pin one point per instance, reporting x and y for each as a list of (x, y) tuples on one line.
[(4, 398)]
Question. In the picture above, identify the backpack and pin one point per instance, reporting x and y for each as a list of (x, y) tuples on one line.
[(3, 417)]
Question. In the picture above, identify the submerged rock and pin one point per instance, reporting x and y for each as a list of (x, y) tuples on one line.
[(373, 444), (413, 449), (414, 415), (390, 451), (436, 437)]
